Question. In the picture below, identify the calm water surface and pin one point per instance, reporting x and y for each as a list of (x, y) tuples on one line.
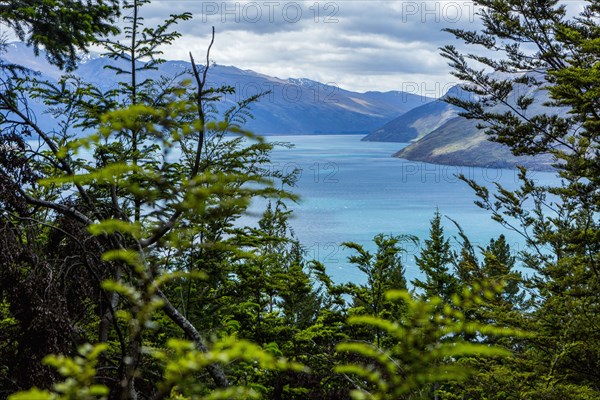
[(352, 190)]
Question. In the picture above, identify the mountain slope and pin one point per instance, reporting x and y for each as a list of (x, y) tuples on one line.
[(439, 135), (293, 106), (459, 142), (419, 121)]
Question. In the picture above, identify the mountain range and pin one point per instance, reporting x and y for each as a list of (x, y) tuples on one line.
[(438, 134), (293, 106), (418, 122), (435, 130)]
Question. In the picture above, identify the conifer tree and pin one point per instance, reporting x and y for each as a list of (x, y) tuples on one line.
[(60, 27), (144, 203), (499, 263), (534, 43), (435, 262), (384, 271)]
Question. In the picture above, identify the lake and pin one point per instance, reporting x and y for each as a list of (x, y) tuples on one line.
[(352, 190)]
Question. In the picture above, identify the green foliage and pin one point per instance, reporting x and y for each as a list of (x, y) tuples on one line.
[(61, 27), (384, 272), (182, 362), (142, 250), (435, 262), (559, 223), (79, 373), (139, 220), (140, 51), (419, 353)]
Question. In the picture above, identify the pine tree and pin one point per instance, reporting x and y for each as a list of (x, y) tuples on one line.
[(384, 271), (128, 218), (435, 262), (60, 27), (559, 223), (499, 263)]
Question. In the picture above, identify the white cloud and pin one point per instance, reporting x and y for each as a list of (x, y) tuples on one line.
[(359, 45)]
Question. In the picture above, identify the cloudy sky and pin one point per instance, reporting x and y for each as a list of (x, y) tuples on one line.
[(357, 44)]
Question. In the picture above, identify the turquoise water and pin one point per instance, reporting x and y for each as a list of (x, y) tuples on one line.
[(352, 190)]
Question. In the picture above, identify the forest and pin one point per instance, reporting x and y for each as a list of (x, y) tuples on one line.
[(130, 276)]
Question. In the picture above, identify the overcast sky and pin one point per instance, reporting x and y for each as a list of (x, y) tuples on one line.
[(357, 44)]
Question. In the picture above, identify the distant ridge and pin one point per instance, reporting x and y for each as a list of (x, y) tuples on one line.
[(293, 106), (418, 122), (437, 134), (459, 142)]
